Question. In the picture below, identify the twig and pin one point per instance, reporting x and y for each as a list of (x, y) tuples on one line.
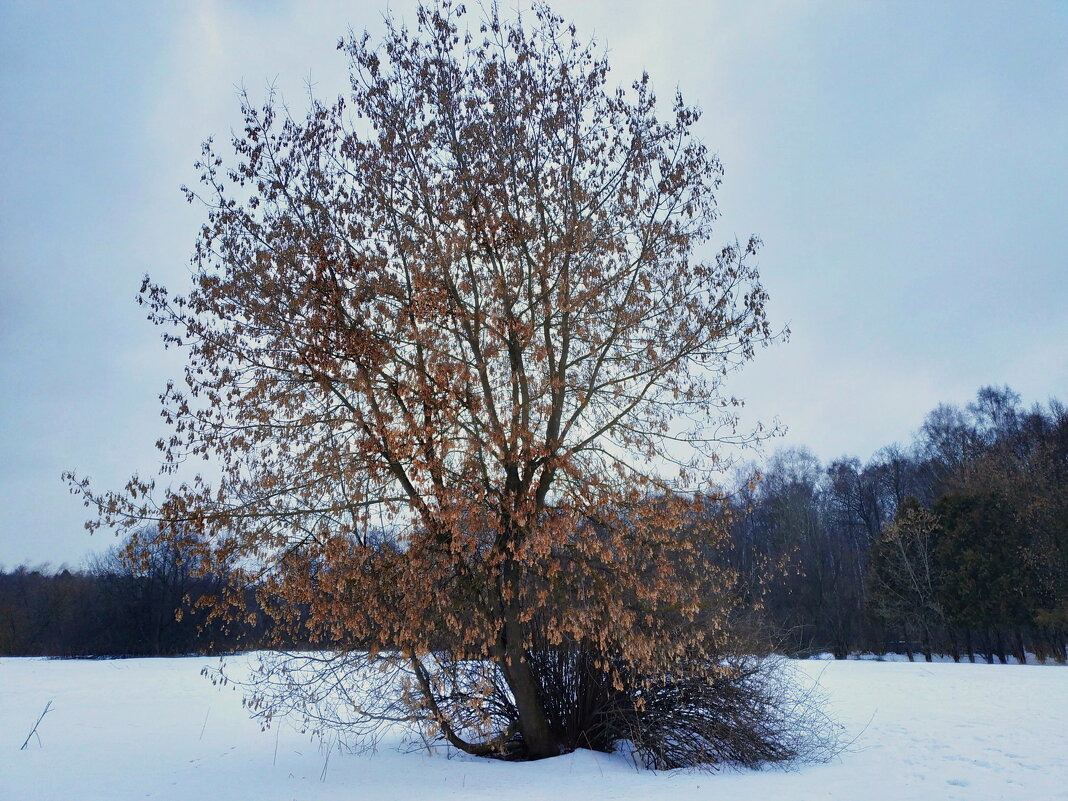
[(33, 731), (326, 763)]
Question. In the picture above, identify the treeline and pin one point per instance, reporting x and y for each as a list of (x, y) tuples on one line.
[(956, 544), (135, 604)]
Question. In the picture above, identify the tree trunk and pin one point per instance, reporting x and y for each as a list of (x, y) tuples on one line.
[(1018, 647), (988, 647), (1056, 640), (533, 723), (999, 647)]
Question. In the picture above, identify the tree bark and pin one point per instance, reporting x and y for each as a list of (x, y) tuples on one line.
[(533, 723)]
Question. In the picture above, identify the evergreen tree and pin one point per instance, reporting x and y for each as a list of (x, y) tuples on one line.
[(983, 576)]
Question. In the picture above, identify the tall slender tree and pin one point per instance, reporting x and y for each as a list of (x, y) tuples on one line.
[(903, 581)]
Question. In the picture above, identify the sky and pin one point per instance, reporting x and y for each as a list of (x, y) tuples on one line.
[(905, 163)]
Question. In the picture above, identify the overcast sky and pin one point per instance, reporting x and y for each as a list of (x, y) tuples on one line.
[(905, 163)]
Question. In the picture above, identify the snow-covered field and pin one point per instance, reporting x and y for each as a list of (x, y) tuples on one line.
[(154, 728)]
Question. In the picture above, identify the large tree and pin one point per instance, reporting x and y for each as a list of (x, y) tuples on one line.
[(446, 336)]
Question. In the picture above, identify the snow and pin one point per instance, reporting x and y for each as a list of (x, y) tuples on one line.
[(155, 728)]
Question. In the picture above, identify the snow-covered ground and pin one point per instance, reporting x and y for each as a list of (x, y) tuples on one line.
[(154, 728)]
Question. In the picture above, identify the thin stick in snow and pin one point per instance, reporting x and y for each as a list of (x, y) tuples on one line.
[(326, 764), (33, 731)]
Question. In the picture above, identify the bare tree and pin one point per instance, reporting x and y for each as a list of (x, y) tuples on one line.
[(902, 576)]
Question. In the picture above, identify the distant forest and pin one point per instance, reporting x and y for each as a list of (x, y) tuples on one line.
[(954, 544)]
